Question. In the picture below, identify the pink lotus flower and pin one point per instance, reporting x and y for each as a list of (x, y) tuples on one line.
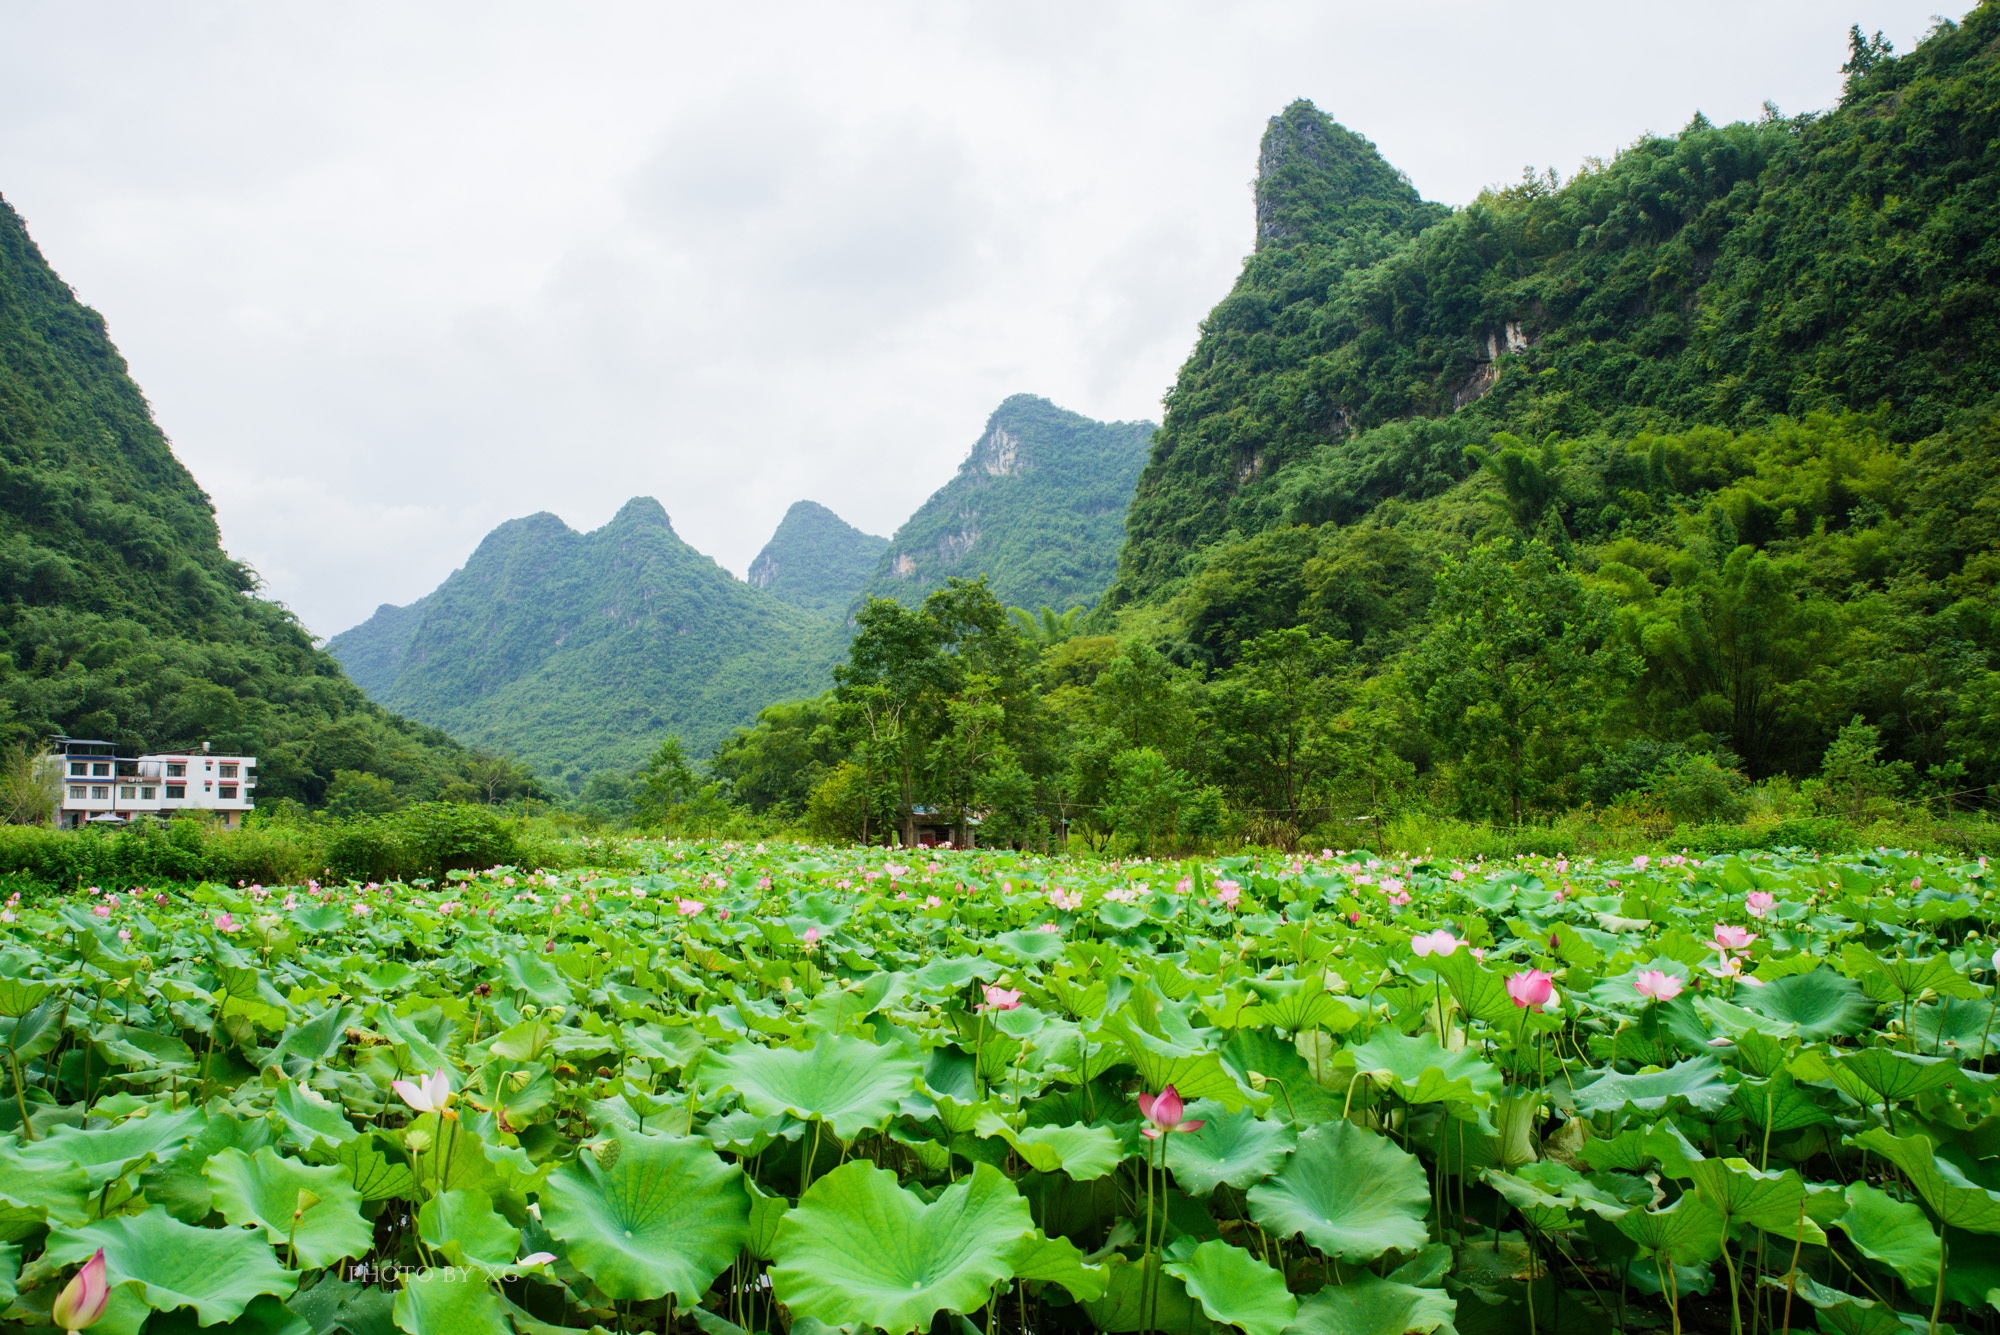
[(1000, 999), (1227, 893), (1162, 1112), (1641, 861), (1439, 942), (1657, 985), (431, 1094), (1458, 873), (1730, 937), (1759, 902), (686, 907), (85, 1297), (224, 923), (1532, 988), (811, 938)]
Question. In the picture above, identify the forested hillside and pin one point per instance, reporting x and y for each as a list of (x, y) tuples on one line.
[(120, 615), (584, 651), (1816, 263), (1038, 508), (1667, 495), (816, 559)]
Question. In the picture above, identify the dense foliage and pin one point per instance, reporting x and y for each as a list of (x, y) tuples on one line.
[(581, 652), (1809, 264), (120, 615), (1038, 508), (744, 1089), (817, 560)]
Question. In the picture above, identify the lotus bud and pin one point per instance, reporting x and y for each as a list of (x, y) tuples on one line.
[(84, 1298)]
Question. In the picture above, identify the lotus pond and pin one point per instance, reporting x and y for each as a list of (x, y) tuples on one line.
[(785, 1090)]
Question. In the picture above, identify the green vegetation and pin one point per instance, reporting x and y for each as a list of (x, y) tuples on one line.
[(817, 560), (721, 1089), (1802, 265), (1037, 508), (1713, 576), (120, 615), (582, 652)]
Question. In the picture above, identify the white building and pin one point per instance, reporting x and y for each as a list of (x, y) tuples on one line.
[(100, 785)]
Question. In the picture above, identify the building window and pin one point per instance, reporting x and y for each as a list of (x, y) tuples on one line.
[(76, 792), (102, 771), (100, 792), (78, 770), (229, 771), (176, 771), (176, 791), (126, 792), (148, 794), (229, 792)]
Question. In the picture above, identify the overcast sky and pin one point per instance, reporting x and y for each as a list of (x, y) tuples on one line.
[(393, 273)]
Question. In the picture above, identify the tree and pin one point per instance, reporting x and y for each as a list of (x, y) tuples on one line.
[(666, 781), (1275, 718), (1513, 674), (30, 786), (1855, 778)]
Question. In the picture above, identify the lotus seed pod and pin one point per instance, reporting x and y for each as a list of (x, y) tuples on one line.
[(606, 1153)]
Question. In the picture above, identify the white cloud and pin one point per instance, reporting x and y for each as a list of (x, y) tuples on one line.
[(393, 274)]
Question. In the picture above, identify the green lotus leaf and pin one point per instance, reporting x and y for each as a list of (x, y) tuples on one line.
[(1040, 1259), (1372, 1306), (1421, 1071), (1195, 1072), (1121, 1309), (263, 1189), (310, 1118), (1954, 1199), (36, 1032), (313, 1039), (665, 1216), (766, 1212), (10, 1270), (1688, 1232), (861, 1250), (18, 996), (264, 1316), (1819, 1005), (1296, 1004), (47, 1191), (1954, 1028), (1084, 1153), (1839, 1313), (1894, 1076), (463, 1226), (143, 1049), (529, 973), (1554, 1189), (1480, 992), (374, 1174), (1349, 1192), (216, 1271), (1778, 1103), (846, 1081), (1894, 1232), (449, 1301), (1238, 1148), (1232, 1286), (1294, 1091), (108, 1153), (1779, 1202), (1699, 1081)]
